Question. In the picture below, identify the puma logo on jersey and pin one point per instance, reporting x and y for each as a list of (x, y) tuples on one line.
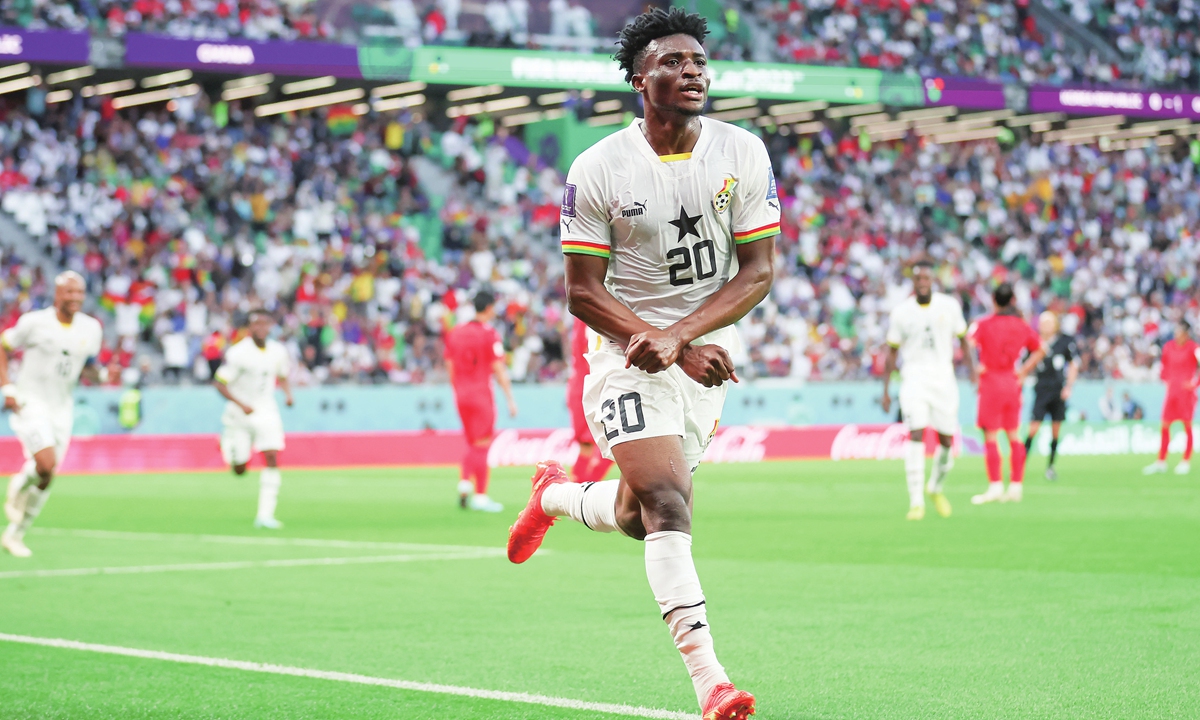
[(724, 196), (638, 209)]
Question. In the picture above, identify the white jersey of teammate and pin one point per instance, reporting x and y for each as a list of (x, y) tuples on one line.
[(669, 227), (54, 356), (250, 373), (925, 336)]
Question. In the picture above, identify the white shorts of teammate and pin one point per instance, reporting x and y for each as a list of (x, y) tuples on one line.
[(623, 404), (925, 404), (39, 428), (243, 434)]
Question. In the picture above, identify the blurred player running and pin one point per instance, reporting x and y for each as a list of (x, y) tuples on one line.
[(1181, 373), (1001, 337), (923, 328), (591, 465), (251, 421), (474, 354), (59, 343), (652, 219), (1055, 378)]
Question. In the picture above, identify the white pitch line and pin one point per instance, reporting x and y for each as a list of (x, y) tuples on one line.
[(515, 697), (247, 564), (248, 540)]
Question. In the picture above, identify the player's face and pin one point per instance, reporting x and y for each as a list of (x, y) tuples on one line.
[(923, 282), (68, 297), (260, 328), (1047, 326), (674, 75)]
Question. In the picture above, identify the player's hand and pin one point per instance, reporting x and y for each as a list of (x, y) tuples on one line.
[(886, 403), (1066, 393), (289, 400), (246, 408), (10, 404), (653, 351), (512, 408), (975, 377), (709, 365)]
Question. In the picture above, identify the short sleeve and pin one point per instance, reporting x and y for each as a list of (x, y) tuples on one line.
[(894, 336), (17, 336), (583, 220), (283, 368), (97, 341), (1072, 352), (1033, 342), (755, 199), (960, 322), (229, 370), (497, 346)]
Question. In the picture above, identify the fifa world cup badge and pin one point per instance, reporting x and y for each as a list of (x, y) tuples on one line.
[(724, 196)]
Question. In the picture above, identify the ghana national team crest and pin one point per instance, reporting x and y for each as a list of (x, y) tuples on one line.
[(724, 196)]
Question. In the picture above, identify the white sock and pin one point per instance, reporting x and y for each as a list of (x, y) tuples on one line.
[(269, 481), (914, 471), (35, 499), (466, 487), (593, 504), (943, 462), (672, 576)]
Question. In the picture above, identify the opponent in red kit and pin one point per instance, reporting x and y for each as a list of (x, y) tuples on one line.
[(591, 465), (1000, 339), (1181, 373), (474, 354)]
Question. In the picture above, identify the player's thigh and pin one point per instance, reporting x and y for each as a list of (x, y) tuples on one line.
[(478, 415), (654, 470), (267, 430), (237, 441), (626, 404), (34, 429), (915, 409)]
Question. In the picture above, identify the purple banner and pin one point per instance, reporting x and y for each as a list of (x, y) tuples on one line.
[(963, 92), (1114, 101), (46, 46), (240, 56)]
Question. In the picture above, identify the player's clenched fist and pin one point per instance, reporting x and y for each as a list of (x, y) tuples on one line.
[(708, 365), (653, 350)]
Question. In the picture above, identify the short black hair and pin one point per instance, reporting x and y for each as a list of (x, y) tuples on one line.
[(483, 300), (923, 263), (650, 26), (1003, 294), (259, 311), (1187, 326)]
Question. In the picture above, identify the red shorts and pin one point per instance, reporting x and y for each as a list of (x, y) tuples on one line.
[(579, 423), (1180, 405), (999, 404), (478, 414)]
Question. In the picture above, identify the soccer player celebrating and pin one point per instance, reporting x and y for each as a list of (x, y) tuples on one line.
[(652, 219), (1000, 338), (1056, 375), (591, 465), (1181, 373), (924, 327), (59, 343), (251, 421), (474, 355)]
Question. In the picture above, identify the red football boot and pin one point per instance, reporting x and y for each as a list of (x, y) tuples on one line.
[(725, 702), (526, 534)]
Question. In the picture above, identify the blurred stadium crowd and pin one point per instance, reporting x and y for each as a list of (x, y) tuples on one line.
[(368, 236)]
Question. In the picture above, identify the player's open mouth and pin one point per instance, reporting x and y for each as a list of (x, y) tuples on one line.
[(693, 91)]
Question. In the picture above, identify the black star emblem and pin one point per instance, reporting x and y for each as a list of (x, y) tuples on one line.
[(686, 224), (697, 626)]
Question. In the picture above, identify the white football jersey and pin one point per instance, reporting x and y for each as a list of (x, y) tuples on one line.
[(250, 372), (668, 225), (925, 335), (54, 356)]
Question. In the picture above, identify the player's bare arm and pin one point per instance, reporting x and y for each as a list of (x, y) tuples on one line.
[(225, 393), (1072, 376), (889, 367), (968, 355), (1031, 363), (500, 372), (286, 386), (10, 391)]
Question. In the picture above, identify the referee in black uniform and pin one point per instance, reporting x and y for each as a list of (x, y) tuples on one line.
[(1056, 375)]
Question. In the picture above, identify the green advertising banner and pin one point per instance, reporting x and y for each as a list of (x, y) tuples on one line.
[(540, 69)]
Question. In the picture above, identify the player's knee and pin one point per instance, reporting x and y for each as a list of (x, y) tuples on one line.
[(270, 457), (630, 522), (239, 469), (916, 435), (44, 467), (665, 508)]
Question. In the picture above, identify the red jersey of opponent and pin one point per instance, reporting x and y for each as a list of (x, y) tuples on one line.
[(1000, 339), (472, 348), (1179, 365)]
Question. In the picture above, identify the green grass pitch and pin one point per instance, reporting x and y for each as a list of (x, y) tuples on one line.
[(1081, 602)]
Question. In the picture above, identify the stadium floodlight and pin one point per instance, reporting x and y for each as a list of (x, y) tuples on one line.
[(471, 93), (361, 109), (404, 88), (607, 106), (19, 84), (522, 118), (108, 88), (302, 86), (154, 96), (797, 107), (554, 98), (873, 119), (734, 103), (63, 76), (808, 128), (928, 113), (1095, 121), (56, 96), (398, 103), (310, 102), (849, 110), (249, 81), (1030, 120), (169, 78), (735, 115), (13, 70), (239, 93)]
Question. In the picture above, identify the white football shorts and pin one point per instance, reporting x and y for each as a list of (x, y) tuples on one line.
[(39, 428), (925, 404), (243, 434), (623, 404)]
